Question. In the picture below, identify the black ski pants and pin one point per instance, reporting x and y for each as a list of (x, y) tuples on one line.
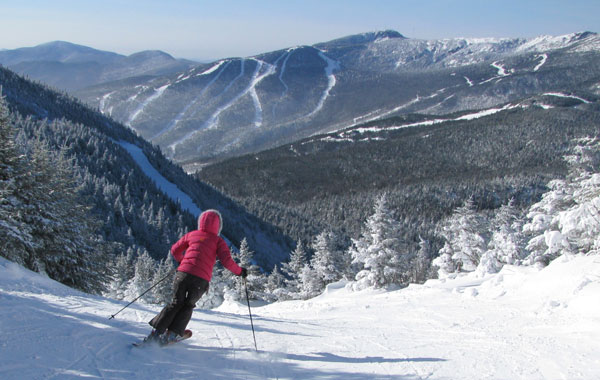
[(187, 290)]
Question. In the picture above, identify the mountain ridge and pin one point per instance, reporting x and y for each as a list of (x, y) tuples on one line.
[(233, 106), (248, 104), (70, 66)]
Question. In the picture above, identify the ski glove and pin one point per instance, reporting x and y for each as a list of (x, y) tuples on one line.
[(244, 273)]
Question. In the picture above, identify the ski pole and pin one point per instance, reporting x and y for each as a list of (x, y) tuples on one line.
[(250, 312), (141, 295)]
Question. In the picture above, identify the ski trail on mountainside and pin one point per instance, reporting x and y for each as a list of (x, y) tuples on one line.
[(250, 89), (544, 58), (103, 101), (561, 95), (181, 114), (163, 184), (287, 56), (213, 120), (331, 81), (157, 93)]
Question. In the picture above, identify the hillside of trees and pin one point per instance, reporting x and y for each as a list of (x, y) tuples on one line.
[(426, 171), (57, 148)]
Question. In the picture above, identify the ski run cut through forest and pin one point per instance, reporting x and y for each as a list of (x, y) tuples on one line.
[(520, 323)]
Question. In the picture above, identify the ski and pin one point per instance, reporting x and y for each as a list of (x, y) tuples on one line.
[(186, 335)]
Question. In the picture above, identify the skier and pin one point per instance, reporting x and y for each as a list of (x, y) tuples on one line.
[(202, 247)]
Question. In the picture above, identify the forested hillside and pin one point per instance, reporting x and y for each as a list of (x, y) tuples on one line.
[(126, 211), (427, 165)]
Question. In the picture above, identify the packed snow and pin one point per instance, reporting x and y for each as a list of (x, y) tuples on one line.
[(522, 323)]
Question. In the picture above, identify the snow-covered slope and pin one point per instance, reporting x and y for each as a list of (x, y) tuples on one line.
[(522, 323)]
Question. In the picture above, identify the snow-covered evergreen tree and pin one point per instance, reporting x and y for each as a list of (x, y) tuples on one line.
[(466, 233), (255, 281), (581, 222), (421, 263), (163, 292), (444, 263), (70, 251), (327, 259), (380, 255), (567, 219), (293, 271), (45, 223), (145, 267), (310, 284), (506, 243), (15, 233), (275, 286), (123, 271)]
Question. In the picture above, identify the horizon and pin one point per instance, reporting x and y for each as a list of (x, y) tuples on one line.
[(203, 31)]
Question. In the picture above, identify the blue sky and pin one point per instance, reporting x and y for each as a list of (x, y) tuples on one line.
[(205, 30)]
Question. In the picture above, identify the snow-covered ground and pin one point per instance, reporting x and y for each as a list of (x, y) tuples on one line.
[(522, 323)]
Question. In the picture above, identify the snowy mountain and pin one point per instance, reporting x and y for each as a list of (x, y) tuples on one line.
[(68, 66), (241, 105), (522, 323)]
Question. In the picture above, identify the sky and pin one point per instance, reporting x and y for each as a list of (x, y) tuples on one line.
[(207, 30)]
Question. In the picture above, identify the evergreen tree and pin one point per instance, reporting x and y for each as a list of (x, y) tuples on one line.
[(327, 259), (145, 267), (275, 286), (310, 283), (254, 281), (465, 231), (506, 243), (163, 292), (422, 263), (293, 271), (220, 285), (444, 263), (70, 251), (46, 223), (379, 253), (123, 271), (567, 219), (15, 233)]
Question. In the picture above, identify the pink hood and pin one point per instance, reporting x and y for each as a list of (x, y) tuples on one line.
[(210, 221)]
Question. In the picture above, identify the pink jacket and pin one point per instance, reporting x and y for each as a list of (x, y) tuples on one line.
[(202, 247)]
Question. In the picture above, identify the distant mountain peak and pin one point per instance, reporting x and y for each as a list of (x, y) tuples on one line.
[(363, 38)]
